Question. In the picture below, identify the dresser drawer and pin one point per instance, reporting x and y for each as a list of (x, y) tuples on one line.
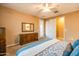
[(27, 38)]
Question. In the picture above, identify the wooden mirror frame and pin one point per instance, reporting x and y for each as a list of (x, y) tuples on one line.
[(30, 27)]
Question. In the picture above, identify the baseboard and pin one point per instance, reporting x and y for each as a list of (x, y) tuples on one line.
[(12, 45)]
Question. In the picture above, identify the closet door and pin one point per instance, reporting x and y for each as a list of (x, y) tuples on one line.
[(60, 27), (51, 28)]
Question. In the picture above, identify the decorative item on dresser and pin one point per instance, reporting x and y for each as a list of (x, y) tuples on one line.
[(27, 38), (2, 41)]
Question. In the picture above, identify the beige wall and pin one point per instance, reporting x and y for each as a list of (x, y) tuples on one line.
[(72, 26), (11, 20), (68, 26)]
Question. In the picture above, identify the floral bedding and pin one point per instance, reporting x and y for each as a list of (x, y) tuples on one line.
[(56, 49)]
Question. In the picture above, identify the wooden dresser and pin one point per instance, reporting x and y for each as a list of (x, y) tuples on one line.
[(2, 41), (27, 38)]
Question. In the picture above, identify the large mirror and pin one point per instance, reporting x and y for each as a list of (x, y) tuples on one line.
[(27, 27)]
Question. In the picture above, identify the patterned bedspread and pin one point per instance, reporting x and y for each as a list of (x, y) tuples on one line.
[(56, 49)]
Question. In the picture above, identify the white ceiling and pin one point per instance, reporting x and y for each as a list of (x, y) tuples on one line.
[(33, 8)]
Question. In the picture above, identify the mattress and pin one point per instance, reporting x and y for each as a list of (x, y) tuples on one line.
[(35, 48)]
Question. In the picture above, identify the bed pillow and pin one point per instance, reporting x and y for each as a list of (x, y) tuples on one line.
[(76, 43), (75, 52), (68, 50)]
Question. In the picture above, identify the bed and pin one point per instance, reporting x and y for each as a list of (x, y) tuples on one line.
[(52, 47)]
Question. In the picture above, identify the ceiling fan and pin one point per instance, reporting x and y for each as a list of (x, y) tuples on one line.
[(48, 7)]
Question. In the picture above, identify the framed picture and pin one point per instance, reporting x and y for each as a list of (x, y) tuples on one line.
[(27, 27)]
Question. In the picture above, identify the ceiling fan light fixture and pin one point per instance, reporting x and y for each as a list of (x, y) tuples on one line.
[(46, 10), (47, 7)]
